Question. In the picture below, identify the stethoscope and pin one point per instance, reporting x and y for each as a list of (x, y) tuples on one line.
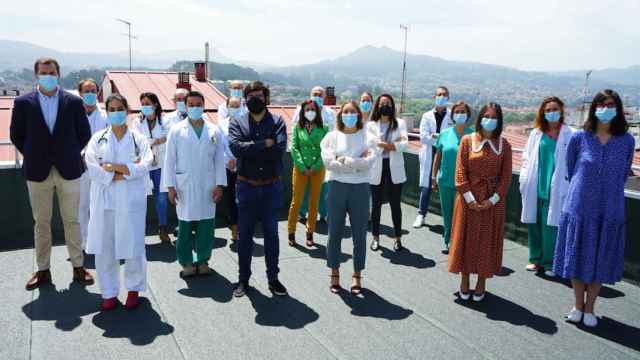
[(103, 141)]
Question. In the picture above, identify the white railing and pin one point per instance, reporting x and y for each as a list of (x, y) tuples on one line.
[(11, 164)]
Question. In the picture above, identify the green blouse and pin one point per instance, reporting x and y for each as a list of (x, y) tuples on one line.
[(546, 165), (305, 147), (447, 144)]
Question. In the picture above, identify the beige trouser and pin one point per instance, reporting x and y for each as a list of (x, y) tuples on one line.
[(41, 198)]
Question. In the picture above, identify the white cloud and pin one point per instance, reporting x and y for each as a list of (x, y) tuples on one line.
[(543, 34)]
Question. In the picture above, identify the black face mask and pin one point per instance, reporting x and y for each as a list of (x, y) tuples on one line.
[(255, 105), (386, 110)]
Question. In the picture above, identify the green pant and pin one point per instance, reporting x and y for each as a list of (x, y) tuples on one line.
[(542, 237), (447, 199), (203, 241)]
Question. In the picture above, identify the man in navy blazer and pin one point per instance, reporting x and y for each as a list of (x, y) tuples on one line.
[(49, 127)]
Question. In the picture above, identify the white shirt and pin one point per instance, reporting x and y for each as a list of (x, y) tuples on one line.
[(223, 111), (49, 107), (97, 120), (354, 169)]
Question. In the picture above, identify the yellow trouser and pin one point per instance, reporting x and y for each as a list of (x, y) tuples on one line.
[(299, 183)]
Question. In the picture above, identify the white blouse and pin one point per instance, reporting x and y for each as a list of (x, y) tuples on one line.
[(348, 157)]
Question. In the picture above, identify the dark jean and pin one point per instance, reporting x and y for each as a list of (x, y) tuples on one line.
[(159, 197), (258, 203), (229, 198), (386, 190)]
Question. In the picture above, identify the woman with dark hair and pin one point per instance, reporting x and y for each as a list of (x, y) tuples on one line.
[(118, 159), (348, 152), (591, 236), (444, 165), (155, 132), (544, 183), (366, 105), (387, 172), (483, 176), (308, 167)]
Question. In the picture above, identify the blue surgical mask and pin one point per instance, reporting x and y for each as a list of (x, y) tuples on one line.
[(234, 112), (365, 106), (489, 124), (236, 93), (552, 116), (350, 120), (195, 112), (318, 100), (441, 101), (90, 99), (48, 82), (147, 110), (117, 118), (180, 106), (460, 119), (605, 114)]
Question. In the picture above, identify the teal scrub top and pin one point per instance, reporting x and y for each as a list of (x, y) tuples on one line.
[(447, 144), (546, 165), (198, 130)]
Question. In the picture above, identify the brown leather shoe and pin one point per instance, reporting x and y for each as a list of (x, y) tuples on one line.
[(164, 235), (38, 279), (82, 276)]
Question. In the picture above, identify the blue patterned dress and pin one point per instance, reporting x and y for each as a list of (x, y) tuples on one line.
[(591, 235)]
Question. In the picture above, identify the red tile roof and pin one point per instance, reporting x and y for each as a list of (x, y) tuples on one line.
[(131, 84)]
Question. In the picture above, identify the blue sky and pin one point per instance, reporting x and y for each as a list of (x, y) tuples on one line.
[(532, 35)]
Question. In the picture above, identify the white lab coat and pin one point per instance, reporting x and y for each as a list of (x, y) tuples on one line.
[(328, 117), (223, 124), (400, 139), (194, 167), (97, 121), (428, 127), (223, 111), (172, 118), (158, 151), (529, 177), (125, 198)]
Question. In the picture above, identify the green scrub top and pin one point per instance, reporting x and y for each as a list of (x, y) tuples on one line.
[(198, 130), (447, 144), (546, 165)]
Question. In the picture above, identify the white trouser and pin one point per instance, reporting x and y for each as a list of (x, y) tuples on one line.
[(83, 208), (108, 267)]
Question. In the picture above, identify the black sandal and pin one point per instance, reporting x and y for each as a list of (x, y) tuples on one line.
[(335, 288), (397, 246), (375, 244), (310, 242), (356, 289), (292, 240)]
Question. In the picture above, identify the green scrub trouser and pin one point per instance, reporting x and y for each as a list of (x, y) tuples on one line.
[(542, 237), (447, 199), (203, 241)]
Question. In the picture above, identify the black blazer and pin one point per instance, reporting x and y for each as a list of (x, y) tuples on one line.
[(41, 149)]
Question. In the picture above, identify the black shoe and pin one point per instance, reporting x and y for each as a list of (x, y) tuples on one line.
[(375, 245), (277, 288), (397, 246), (241, 289), (323, 220)]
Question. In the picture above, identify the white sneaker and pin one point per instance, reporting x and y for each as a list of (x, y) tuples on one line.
[(419, 221), (464, 296), (550, 273), (574, 316), (590, 320), (478, 298)]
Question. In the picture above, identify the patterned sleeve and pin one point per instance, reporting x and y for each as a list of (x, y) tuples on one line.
[(505, 171), (572, 154), (462, 179)]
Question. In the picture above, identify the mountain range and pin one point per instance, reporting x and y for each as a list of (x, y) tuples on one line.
[(369, 67)]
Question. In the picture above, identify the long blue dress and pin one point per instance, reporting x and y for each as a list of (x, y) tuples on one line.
[(591, 235)]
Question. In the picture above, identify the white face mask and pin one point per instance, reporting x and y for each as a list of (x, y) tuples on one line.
[(310, 115)]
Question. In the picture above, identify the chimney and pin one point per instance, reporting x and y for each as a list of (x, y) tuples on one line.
[(201, 71), (330, 96), (183, 81)]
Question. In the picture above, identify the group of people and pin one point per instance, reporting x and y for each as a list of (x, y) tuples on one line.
[(102, 164)]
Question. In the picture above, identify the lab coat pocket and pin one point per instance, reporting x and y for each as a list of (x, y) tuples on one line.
[(182, 181)]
